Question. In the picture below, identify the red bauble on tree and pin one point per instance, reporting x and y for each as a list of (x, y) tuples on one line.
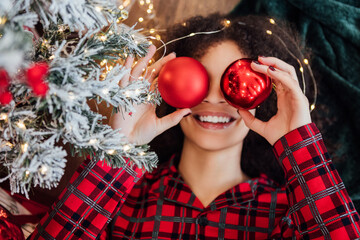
[(5, 98), (36, 75), (244, 88), (183, 82), (5, 95), (40, 89), (4, 80)]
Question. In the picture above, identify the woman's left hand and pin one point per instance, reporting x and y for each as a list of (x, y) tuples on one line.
[(293, 107)]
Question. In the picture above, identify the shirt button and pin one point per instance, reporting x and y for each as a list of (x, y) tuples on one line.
[(203, 221)]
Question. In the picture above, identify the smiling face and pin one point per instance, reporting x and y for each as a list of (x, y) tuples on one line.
[(214, 124)]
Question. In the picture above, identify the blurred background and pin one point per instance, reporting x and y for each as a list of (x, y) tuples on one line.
[(159, 14), (155, 15)]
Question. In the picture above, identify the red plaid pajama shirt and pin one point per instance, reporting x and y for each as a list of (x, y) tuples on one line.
[(314, 203)]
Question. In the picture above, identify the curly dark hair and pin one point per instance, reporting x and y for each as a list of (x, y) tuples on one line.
[(250, 34)]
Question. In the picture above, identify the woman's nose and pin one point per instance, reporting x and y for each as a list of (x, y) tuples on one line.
[(214, 94)]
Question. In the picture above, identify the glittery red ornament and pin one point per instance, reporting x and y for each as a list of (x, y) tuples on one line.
[(244, 88), (183, 82), (37, 73), (5, 98)]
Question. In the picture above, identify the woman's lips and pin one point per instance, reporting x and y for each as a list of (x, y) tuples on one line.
[(213, 121)]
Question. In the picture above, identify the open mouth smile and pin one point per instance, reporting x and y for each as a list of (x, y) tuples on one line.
[(214, 121)]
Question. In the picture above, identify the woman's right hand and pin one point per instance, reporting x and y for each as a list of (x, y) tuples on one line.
[(143, 125)]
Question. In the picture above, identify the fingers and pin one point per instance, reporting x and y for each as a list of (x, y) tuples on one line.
[(128, 63), (172, 119), (142, 63), (283, 80), (251, 121), (279, 64)]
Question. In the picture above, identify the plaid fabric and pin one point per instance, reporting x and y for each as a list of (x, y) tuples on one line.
[(313, 205), (89, 203)]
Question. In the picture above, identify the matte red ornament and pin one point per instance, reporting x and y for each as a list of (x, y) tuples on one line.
[(183, 82), (40, 89), (244, 88), (4, 80), (36, 73), (5, 98)]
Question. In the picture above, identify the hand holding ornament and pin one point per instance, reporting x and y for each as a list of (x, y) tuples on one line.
[(143, 125), (293, 107)]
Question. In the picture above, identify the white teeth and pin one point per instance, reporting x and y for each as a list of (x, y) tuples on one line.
[(214, 119)]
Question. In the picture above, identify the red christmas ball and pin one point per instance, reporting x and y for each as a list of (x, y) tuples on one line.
[(5, 98), (36, 73), (244, 88), (183, 82), (40, 89), (4, 80)]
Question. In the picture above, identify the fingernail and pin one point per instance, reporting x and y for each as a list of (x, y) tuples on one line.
[(174, 53), (187, 114), (256, 62), (272, 68)]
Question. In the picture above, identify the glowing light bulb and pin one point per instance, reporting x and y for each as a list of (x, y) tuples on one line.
[(43, 170), (105, 91), (103, 38), (141, 19), (301, 69), (142, 2), (306, 61), (126, 148), (226, 23), (111, 151), (93, 141), (272, 21), (103, 62), (9, 144), (98, 8), (269, 32), (3, 20), (149, 11), (141, 153), (312, 107), (21, 125), (24, 147), (3, 116)]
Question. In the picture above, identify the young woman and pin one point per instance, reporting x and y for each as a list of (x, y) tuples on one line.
[(218, 180)]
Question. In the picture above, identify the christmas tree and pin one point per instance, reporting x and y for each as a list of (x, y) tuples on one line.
[(55, 56)]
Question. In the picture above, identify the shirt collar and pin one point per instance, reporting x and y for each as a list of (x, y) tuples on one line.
[(177, 191)]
